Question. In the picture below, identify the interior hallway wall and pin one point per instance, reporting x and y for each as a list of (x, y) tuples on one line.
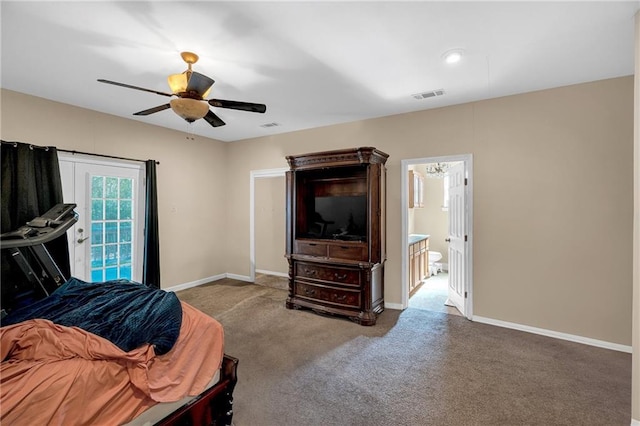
[(270, 224)]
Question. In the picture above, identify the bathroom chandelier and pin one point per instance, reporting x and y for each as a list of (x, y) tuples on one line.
[(437, 170)]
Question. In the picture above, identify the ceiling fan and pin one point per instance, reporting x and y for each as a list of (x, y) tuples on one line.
[(190, 89)]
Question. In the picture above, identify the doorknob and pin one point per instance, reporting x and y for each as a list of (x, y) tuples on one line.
[(81, 240), (448, 240)]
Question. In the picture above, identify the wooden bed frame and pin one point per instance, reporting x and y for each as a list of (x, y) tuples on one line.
[(212, 407)]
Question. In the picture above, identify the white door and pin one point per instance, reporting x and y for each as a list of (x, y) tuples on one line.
[(457, 238), (107, 241)]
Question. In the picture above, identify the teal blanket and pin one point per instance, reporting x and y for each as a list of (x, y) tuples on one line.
[(127, 313)]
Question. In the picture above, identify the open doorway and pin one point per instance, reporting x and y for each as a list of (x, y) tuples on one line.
[(269, 267), (437, 237)]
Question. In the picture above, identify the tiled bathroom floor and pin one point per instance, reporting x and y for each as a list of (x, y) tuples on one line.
[(432, 295)]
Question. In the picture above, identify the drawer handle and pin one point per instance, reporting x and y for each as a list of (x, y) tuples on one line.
[(309, 292), (310, 271), (340, 298), (345, 248), (312, 244), (340, 277)]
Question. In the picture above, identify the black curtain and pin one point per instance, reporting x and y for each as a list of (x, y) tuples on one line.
[(31, 185), (151, 265)]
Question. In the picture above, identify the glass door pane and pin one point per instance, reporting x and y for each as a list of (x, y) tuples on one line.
[(112, 218)]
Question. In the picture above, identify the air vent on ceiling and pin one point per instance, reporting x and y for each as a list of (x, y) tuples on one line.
[(430, 94), (267, 125)]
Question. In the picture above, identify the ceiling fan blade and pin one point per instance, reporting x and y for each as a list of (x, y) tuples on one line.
[(213, 119), (199, 83), (153, 110), (242, 106), (128, 86)]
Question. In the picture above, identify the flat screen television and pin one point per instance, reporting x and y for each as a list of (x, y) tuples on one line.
[(338, 217)]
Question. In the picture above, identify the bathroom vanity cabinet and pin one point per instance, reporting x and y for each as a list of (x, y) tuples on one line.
[(418, 260), (335, 242)]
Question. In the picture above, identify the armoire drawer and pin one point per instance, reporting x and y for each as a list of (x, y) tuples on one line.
[(344, 276), (328, 294), (311, 249), (349, 252)]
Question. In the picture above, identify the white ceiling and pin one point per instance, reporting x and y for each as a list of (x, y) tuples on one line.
[(312, 63)]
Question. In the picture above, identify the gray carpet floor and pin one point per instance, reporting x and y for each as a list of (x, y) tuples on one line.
[(415, 367)]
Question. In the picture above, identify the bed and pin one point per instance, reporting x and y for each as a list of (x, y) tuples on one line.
[(114, 353)]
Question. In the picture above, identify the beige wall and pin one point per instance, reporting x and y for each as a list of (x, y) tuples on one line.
[(191, 175), (553, 199), (553, 196), (270, 224), (635, 393)]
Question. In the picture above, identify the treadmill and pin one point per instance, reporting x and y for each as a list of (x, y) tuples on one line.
[(26, 247)]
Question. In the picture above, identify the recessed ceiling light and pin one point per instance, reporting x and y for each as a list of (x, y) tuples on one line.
[(453, 56)]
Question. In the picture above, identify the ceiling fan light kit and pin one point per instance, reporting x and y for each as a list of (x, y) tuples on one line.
[(189, 109), (190, 89), (177, 83)]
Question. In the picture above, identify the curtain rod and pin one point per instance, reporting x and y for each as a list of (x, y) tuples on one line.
[(31, 146), (103, 155), (15, 144)]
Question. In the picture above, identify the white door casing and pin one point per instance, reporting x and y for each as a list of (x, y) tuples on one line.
[(467, 262)]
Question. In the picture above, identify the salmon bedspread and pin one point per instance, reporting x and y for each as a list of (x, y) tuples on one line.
[(53, 374), (124, 312)]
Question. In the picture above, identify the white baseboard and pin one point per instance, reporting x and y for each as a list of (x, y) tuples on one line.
[(277, 274), (396, 306), (635, 422), (555, 334), (207, 280), (238, 277), (195, 283)]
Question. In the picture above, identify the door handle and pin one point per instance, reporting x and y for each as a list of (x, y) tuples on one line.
[(448, 240), (82, 240)]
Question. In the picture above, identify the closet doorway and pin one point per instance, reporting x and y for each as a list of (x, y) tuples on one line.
[(107, 241), (437, 213), (267, 191)]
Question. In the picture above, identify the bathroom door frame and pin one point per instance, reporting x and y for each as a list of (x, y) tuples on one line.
[(467, 159)]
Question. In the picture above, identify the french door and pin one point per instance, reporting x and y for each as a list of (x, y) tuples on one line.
[(107, 241)]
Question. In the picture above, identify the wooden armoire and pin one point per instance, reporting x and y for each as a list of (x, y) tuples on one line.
[(336, 245)]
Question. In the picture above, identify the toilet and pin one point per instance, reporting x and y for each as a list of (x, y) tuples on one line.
[(434, 265)]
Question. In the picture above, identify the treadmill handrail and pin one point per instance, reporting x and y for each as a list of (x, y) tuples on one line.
[(26, 235)]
